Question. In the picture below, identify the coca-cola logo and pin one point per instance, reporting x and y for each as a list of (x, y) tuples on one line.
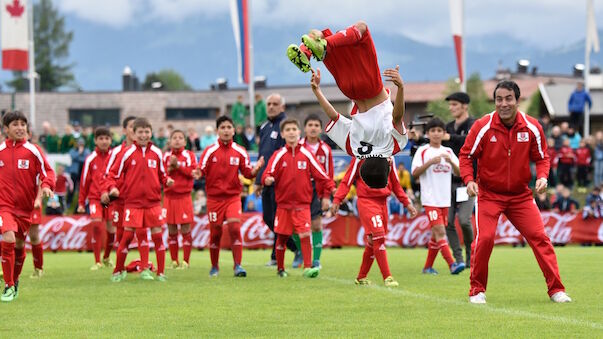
[(64, 233), (556, 226)]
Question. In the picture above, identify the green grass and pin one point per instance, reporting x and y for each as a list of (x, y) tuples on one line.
[(71, 301)]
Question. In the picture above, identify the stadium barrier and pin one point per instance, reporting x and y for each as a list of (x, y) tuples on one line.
[(73, 233)]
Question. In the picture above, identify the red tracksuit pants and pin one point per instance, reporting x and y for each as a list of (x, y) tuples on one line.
[(524, 215)]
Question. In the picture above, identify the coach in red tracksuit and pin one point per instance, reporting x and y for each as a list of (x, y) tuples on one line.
[(503, 143)]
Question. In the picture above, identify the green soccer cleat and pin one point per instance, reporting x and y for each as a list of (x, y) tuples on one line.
[(146, 275), (298, 58), (282, 273), (97, 266), (119, 276), (175, 265), (390, 282), (183, 266), (108, 263), (37, 273), (161, 277), (16, 289), (9, 294), (311, 272), (318, 46), (362, 282)]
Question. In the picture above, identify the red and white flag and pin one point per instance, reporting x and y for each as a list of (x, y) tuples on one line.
[(456, 22), (15, 30)]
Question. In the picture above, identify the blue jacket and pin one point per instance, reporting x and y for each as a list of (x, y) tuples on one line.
[(270, 141), (577, 101)]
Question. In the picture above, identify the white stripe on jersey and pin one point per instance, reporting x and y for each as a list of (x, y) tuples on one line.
[(87, 166), (209, 152), (114, 153), (313, 160), (33, 149), (123, 160), (481, 133), (278, 157)]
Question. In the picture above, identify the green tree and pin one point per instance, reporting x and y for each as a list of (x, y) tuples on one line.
[(535, 105), (170, 81), (51, 44)]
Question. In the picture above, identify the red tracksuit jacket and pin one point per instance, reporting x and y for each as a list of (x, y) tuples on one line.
[(183, 175), (63, 184), (324, 155), (220, 165), (583, 156), (363, 191), (115, 155), (503, 155), (92, 176), (143, 174), (566, 156), (292, 169), (23, 166)]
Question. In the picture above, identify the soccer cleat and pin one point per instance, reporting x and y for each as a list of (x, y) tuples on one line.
[(561, 297), (298, 58), (282, 273), (362, 282), (390, 282), (183, 266), (97, 266), (316, 263), (272, 262), (16, 289), (479, 298), (119, 276), (298, 260), (311, 272), (37, 273), (239, 271), (457, 267), (175, 265), (317, 45), (430, 270), (9, 294), (161, 277), (214, 272), (108, 263), (146, 275)]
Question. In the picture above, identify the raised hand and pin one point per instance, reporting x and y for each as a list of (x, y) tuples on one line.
[(315, 80), (393, 75)]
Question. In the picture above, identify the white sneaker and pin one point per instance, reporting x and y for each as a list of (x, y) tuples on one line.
[(479, 298), (561, 297)]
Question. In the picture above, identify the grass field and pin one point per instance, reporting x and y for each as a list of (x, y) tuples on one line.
[(71, 301)]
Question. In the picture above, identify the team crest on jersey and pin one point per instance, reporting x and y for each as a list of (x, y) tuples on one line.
[(234, 161), (23, 164), (302, 165), (152, 163), (274, 135), (523, 137), (321, 159), (133, 162), (214, 159)]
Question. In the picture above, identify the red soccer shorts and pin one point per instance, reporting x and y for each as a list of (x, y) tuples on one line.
[(218, 211), (143, 217), (97, 211), (373, 216), (116, 212), (178, 210), (437, 215), (286, 221), (36, 216), (10, 222)]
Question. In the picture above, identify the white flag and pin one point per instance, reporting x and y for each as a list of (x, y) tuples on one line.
[(592, 35), (14, 28)]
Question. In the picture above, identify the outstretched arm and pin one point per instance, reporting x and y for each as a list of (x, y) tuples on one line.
[(393, 75), (322, 100)]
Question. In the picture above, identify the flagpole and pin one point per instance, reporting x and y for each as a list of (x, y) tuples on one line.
[(464, 82), (251, 84), (587, 48), (32, 68)]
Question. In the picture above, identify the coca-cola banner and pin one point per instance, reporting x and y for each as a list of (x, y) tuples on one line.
[(74, 233)]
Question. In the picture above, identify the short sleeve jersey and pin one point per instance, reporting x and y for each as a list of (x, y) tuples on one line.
[(436, 180)]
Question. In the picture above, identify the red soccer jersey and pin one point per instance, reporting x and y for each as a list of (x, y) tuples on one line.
[(220, 164), (115, 155), (183, 175), (23, 166), (292, 169), (583, 156), (63, 184), (352, 175), (553, 157), (323, 154), (92, 176), (566, 156), (143, 174)]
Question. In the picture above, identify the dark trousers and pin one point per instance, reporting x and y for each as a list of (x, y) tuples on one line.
[(564, 173), (582, 175), (269, 212), (577, 121), (464, 210)]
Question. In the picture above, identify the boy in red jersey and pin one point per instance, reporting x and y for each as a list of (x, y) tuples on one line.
[(220, 164), (23, 167), (177, 200), (37, 250), (64, 185), (372, 210), (583, 158), (143, 175), (90, 188), (291, 169)]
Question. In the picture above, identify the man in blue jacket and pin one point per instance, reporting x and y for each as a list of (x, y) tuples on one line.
[(575, 106)]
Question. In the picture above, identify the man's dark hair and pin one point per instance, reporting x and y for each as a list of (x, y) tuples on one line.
[(312, 117), (375, 172), (100, 131), (12, 116), (289, 121), (127, 120), (433, 123), (222, 119), (141, 123), (177, 131), (507, 84)]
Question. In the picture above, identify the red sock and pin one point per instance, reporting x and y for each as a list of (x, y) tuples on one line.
[(8, 262), (281, 247), (234, 230), (143, 247), (122, 250), (306, 249), (37, 252), (305, 50), (187, 245), (367, 261), (445, 249), (119, 232), (215, 234), (19, 261), (381, 255), (109, 245), (159, 251), (432, 252), (96, 240), (349, 36), (173, 246)]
